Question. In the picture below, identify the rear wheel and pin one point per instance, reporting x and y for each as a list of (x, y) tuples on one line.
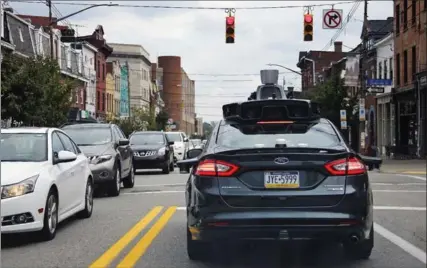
[(197, 250), (362, 250)]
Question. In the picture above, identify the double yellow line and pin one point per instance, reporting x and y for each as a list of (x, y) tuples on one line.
[(139, 249)]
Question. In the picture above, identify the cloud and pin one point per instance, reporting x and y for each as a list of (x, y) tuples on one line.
[(198, 36)]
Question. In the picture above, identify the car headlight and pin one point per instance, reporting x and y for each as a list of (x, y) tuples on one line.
[(100, 159), (24, 187), (162, 151)]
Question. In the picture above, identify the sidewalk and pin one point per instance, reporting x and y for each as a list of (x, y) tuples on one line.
[(413, 167)]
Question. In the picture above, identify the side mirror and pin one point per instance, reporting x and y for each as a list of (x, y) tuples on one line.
[(123, 142), (186, 165), (65, 156), (193, 153), (171, 143), (371, 162)]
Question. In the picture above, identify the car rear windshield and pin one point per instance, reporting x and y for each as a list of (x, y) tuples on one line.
[(86, 136), (23, 147), (316, 135), (267, 92), (175, 137), (147, 138)]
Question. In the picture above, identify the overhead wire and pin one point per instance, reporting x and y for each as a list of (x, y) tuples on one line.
[(190, 7)]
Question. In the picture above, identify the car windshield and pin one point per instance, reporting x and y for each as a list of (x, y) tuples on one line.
[(86, 136), (147, 138), (175, 137), (23, 147), (317, 135)]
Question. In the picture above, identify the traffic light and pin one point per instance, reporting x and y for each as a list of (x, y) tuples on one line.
[(308, 27), (229, 30)]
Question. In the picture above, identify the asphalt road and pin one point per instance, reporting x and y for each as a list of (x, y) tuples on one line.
[(400, 238)]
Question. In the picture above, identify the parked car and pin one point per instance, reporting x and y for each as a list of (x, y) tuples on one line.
[(277, 172), (45, 179), (181, 144), (152, 150), (109, 154)]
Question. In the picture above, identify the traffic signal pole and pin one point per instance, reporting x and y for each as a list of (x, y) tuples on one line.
[(362, 68)]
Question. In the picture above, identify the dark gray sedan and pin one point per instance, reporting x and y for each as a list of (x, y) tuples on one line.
[(109, 154)]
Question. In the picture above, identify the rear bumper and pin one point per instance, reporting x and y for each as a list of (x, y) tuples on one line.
[(279, 225)]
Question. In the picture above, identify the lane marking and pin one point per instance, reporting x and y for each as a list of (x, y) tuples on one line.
[(139, 249), (400, 191), (412, 176), (105, 259), (400, 208), (155, 192), (400, 242)]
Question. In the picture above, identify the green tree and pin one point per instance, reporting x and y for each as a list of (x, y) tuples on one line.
[(140, 120), (161, 120), (34, 92), (333, 97)]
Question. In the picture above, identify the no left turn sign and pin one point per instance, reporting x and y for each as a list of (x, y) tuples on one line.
[(332, 18)]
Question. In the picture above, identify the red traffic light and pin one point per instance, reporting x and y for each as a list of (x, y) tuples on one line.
[(308, 18), (230, 20)]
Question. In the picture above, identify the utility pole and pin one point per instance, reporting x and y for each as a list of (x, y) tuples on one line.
[(362, 69), (49, 3)]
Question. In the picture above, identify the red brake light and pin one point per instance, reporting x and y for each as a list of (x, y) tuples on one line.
[(338, 167), (216, 168)]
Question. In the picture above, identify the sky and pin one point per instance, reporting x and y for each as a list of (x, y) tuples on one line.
[(198, 36)]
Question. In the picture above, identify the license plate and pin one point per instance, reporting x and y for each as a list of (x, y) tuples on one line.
[(281, 179)]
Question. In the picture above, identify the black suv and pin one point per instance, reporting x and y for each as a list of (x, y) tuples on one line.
[(152, 150), (109, 154)]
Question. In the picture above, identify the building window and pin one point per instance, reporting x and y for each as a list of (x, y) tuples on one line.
[(414, 62), (97, 69), (98, 101), (391, 68), (397, 20), (414, 11), (397, 69), (405, 66), (56, 49), (405, 14), (103, 101), (103, 71), (385, 70), (380, 70), (68, 57), (21, 37), (425, 4)]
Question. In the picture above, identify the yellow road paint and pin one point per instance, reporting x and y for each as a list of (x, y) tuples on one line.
[(139, 249), (414, 172), (114, 250)]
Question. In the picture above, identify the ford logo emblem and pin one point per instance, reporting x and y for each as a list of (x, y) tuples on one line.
[(281, 160)]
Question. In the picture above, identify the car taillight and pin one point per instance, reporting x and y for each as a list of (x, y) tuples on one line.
[(350, 166), (216, 168)]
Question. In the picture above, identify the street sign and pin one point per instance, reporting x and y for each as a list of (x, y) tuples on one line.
[(332, 18), (343, 115), (376, 90), (343, 124), (362, 115)]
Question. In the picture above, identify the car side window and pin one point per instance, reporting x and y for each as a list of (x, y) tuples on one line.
[(56, 144), (182, 137), (68, 144)]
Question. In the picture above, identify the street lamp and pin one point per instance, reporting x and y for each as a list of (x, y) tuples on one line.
[(289, 69), (66, 17), (314, 69)]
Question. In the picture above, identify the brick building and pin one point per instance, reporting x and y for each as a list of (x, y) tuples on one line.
[(97, 40), (178, 93), (318, 59), (410, 76)]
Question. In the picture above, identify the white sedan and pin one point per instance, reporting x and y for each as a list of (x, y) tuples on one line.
[(45, 178)]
